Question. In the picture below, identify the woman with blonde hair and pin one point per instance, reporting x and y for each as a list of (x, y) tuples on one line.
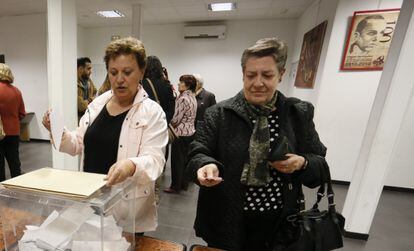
[(11, 112)]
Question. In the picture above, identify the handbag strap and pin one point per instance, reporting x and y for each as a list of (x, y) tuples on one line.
[(327, 183), (153, 90)]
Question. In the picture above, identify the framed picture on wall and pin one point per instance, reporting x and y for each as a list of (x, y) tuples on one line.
[(2, 59), (369, 39), (309, 56)]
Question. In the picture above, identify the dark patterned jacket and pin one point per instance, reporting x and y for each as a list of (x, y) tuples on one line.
[(223, 139)]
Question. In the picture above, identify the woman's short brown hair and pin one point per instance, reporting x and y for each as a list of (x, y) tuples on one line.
[(189, 81), (273, 47), (126, 46)]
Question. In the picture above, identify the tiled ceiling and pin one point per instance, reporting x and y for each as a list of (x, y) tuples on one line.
[(164, 11)]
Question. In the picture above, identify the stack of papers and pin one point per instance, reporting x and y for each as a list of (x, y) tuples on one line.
[(76, 228), (56, 181)]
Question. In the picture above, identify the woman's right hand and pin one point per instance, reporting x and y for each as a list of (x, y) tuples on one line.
[(46, 120), (208, 175)]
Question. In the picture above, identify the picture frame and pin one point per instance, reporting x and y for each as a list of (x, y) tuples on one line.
[(368, 40), (309, 56)]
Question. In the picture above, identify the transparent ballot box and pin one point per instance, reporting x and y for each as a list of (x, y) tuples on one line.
[(35, 220)]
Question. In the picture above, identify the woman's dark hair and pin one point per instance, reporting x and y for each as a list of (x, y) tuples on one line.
[(165, 75), (154, 68), (189, 81)]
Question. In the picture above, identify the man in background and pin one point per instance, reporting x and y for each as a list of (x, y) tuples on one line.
[(86, 88), (204, 98)]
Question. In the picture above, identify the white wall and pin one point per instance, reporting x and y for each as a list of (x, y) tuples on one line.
[(400, 172), (81, 41), (343, 100), (317, 13), (23, 41), (218, 61), (96, 40)]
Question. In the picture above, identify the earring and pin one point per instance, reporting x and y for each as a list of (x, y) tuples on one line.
[(140, 81)]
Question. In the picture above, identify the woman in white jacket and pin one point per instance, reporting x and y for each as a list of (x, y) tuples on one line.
[(123, 133)]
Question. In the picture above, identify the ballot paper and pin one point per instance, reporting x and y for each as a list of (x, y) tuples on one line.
[(56, 126), (91, 229), (62, 228), (119, 245), (28, 246), (57, 230), (76, 228), (56, 181), (30, 234)]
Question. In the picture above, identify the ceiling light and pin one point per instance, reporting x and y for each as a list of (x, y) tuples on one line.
[(110, 13), (221, 6)]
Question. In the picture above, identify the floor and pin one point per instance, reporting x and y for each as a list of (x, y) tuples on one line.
[(392, 228)]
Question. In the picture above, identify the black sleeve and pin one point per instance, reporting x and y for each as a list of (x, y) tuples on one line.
[(170, 106), (311, 147), (212, 99), (202, 149)]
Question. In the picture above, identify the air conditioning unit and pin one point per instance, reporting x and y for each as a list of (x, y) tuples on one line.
[(210, 31)]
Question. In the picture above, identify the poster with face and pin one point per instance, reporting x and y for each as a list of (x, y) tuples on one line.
[(369, 39)]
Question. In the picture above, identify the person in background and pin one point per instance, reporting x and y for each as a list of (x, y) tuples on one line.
[(205, 99), (106, 86), (153, 78), (11, 112), (159, 90), (86, 88), (123, 132), (183, 126), (251, 156)]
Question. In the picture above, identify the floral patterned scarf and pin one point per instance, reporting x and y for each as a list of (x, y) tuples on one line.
[(256, 169)]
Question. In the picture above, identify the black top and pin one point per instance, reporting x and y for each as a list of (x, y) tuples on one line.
[(165, 94), (101, 142)]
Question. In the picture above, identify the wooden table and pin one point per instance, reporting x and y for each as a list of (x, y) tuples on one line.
[(24, 218)]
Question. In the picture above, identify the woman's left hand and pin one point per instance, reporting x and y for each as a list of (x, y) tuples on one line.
[(120, 171), (292, 163)]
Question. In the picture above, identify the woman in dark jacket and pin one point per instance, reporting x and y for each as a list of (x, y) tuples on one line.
[(252, 155)]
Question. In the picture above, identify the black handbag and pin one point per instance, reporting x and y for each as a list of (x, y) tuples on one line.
[(316, 230)]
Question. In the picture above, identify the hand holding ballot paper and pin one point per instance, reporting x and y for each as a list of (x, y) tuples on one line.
[(53, 122)]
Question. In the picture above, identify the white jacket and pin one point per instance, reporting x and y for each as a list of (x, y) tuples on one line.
[(142, 140)]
